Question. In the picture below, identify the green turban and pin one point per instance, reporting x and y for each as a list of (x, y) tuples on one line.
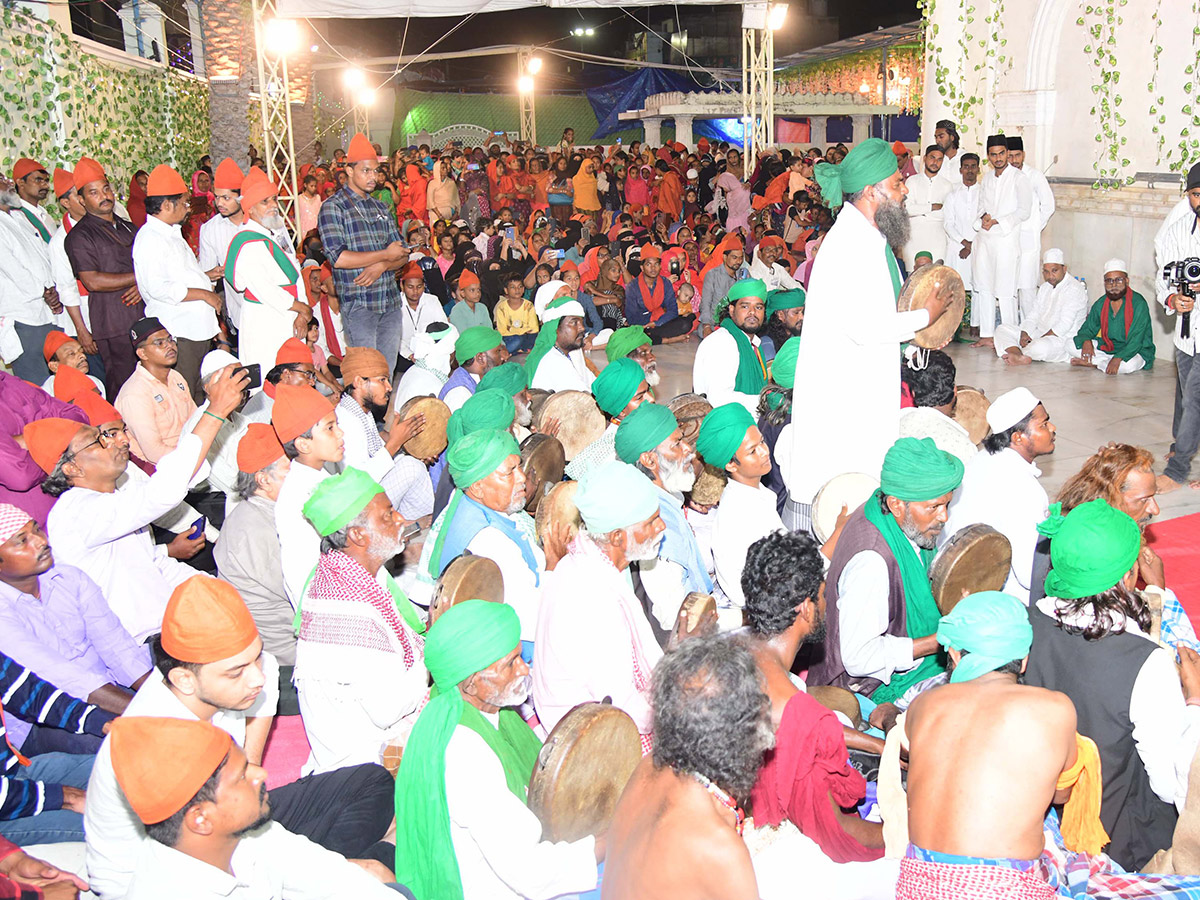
[(338, 500), (1092, 549), (915, 470), (478, 455), (617, 384), (789, 299), (615, 495), (466, 638), (923, 254), (783, 366), (509, 377), (747, 287), (624, 341), (992, 627), (643, 430), (868, 163), (476, 340), (722, 432), (491, 409)]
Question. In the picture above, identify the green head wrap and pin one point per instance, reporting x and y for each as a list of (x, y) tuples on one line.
[(915, 470), (1092, 548), (747, 287), (615, 495), (508, 377), (643, 430), (617, 384), (923, 254), (722, 432), (467, 638), (338, 500), (491, 409), (542, 345), (475, 340), (783, 367), (868, 163), (624, 341), (478, 455), (992, 627), (789, 299)]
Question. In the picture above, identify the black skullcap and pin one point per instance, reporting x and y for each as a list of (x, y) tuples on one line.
[(997, 140), (1015, 143)]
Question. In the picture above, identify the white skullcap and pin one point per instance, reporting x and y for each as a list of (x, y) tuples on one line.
[(544, 294), (1054, 256), (1116, 265), (693, 174), (1010, 408), (214, 361), (427, 343)]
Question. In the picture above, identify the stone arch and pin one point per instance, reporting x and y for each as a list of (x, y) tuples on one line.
[(1045, 37)]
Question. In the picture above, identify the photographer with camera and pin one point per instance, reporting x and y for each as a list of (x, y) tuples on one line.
[(1178, 257)]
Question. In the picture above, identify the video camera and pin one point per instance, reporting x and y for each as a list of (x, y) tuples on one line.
[(1183, 273)]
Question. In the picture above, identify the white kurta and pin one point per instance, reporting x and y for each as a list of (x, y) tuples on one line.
[(215, 235), (958, 221), (928, 225), (1060, 309), (1040, 210), (927, 422), (745, 515), (868, 651), (849, 358), (1176, 243), (65, 281), (416, 382), (1008, 199), (428, 311), (951, 170), (166, 269), (299, 543), (268, 323), (560, 371), (1002, 490), (775, 277), (715, 368)]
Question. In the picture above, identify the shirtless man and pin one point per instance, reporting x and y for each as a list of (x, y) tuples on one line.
[(672, 837)]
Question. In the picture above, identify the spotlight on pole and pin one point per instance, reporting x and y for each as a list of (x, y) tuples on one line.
[(578, 32), (365, 97), (777, 15), (589, 31), (282, 36), (353, 77), (535, 65), (525, 84)]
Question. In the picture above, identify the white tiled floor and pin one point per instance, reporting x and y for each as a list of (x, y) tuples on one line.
[(1088, 407)]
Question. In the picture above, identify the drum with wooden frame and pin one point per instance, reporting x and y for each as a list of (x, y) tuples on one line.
[(580, 421), (558, 507), (838, 699), (689, 411), (850, 489), (970, 411), (543, 462), (922, 286), (696, 606), (432, 439), (466, 578), (977, 558), (582, 769)]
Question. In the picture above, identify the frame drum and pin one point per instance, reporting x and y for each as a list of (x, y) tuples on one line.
[(579, 420), (851, 490), (467, 578), (921, 287), (970, 411), (977, 558)]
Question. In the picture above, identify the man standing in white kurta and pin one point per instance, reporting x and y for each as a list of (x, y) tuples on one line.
[(945, 135), (958, 218), (1004, 204), (849, 358), (1049, 327), (926, 198), (1040, 211)]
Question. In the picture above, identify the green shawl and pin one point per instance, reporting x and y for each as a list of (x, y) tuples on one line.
[(751, 372), (542, 345)]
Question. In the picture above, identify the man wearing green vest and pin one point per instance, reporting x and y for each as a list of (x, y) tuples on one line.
[(882, 619), (463, 829), (729, 366)]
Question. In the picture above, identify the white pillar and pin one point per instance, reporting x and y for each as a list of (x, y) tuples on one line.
[(653, 128), (862, 127), (683, 130), (818, 130)]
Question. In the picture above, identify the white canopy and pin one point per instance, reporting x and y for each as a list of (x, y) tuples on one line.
[(374, 9)]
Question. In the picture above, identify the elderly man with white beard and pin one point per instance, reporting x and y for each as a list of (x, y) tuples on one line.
[(650, 439), (510, 377), (632, 341)]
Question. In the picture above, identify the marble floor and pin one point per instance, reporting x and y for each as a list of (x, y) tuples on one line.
[(1088, 407)]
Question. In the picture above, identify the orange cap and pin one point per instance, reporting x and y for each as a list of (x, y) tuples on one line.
[(258, 448), (568, 265), (48, 439), (227, 177), (650, 251), (165, 182), (64, 182), (467, 278), (256, 187), (206, 620), (297, 409), (773, 240), (898, 148), (55, 340), (161, 764), (26, 166), (292, 352), (86, 171), (360, 148), (412, 270), (99, 411), (70, 384)]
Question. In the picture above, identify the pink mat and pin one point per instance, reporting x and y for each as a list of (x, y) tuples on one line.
[(1177, 541), (286, 751)]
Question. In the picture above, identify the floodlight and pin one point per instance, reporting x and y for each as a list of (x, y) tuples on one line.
[(353, 77), (525, 84), (535, 65), (282, 36), (776, 16)]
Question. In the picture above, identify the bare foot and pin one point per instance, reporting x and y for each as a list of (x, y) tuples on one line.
[(1165, 485), (1076, 361), (984, 342), (1017, 359), (1194, 485)]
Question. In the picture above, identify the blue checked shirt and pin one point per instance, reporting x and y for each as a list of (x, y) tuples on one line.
[(361, 225)]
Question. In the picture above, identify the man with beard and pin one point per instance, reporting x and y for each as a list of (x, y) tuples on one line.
[(476, 350), (619, 389), (1049, 324), (463, 827), (785, 319), (1040, 210), (676, 831), (958, 217), (716, 280), (851, 324), (1005, 201), (1120, 323), (729, 367), (593, 637), (806, 777), (650, 438), (363, 405), (360, 665), (265, 270), (218, 232), (633, 342), (881, 613), (556, 362), (945, 136), (510, 378), (926, 198)]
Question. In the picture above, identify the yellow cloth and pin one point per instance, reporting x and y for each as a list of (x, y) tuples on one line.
[(1081, 828), (511, 321)]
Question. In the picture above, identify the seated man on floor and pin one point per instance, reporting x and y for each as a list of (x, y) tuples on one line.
[(222, 456), (61, 349), (556, 362), (619, 389), (293, 366), (729, 366), (936, 396), (1048, 334), (881, 616), (650, 302), (156, 400), (476, 350), (212, 668), (633, 342), (785, 320), (1116, 337), (56, 622), (205, 809), (360, 662), (510, 378), (465, 829), (430, 370)]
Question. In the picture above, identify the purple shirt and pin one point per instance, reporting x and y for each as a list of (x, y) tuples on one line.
[(69, 636)]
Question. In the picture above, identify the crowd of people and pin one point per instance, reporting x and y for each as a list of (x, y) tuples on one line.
[(242, 476)]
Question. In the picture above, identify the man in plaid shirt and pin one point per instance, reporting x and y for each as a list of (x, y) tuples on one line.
[(360, 238)]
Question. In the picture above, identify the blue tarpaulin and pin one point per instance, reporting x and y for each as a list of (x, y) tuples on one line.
[(630, 92)]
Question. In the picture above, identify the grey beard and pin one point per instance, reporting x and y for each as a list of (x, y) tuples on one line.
[(517, 502), (647, 549), (920, 538), (652, 377), (274, 222), (385, 548), (10, 199), (677, 477), (516, 694), (524, 414), (892, 222)]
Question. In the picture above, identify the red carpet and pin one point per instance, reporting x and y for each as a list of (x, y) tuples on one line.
[(286, 751), (1177, 541)]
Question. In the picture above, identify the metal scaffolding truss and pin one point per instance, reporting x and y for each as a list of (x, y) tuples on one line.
[(525, 98), (758, 90), (274, 93)]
